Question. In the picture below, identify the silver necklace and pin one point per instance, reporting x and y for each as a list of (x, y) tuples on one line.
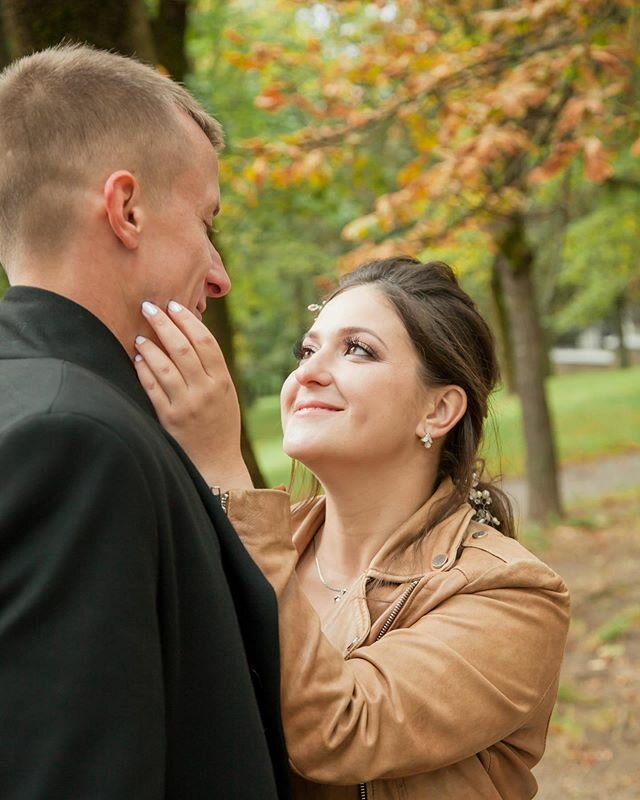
[(339, 593)]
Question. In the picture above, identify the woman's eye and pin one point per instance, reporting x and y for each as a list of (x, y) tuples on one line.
[(301, 351), (356, 348)]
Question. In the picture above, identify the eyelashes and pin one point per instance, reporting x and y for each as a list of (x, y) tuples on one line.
[(299, 351), (302, 351)]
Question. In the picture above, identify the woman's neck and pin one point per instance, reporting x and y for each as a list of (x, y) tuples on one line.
[(363, 511)]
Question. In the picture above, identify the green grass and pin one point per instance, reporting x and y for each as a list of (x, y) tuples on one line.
[(617, 626), (263, 424), (595, 413)]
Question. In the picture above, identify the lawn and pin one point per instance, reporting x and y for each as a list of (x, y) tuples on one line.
[(595, 413)]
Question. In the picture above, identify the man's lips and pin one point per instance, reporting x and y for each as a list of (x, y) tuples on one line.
[(201, 307)]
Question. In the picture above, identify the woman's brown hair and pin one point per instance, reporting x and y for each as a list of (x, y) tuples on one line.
[(455, 346)]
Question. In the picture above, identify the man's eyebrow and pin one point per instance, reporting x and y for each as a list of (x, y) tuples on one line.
[(349, 331)]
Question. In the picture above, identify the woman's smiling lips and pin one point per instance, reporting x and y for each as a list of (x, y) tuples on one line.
[(311, 406)]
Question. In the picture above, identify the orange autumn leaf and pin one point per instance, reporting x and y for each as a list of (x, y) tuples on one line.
[(571, 114), (596, 162), (610, 61), (555, 162), (271, 99), (233, 36)]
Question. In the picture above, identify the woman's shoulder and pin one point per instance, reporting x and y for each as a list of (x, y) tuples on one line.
[(489, 558)]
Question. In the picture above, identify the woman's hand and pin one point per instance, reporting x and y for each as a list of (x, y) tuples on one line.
[(193, 394)]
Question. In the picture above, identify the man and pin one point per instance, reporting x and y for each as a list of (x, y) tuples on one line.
[(138, 641)]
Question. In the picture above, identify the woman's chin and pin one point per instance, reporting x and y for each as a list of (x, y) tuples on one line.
[(308, 453)]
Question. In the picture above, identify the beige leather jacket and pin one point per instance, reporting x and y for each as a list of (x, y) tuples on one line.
[(433, 682)]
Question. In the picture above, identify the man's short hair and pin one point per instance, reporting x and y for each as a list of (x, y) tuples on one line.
[(68, 112)]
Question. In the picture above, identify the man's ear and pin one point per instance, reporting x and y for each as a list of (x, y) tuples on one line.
[(446, 407), (121, 195)]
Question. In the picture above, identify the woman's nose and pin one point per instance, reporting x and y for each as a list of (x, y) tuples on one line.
[(314, 369)]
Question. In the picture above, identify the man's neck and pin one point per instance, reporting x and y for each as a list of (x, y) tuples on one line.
[(108, 303)]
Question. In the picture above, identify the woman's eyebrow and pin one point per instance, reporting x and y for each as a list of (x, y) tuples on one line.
[(347, 331)]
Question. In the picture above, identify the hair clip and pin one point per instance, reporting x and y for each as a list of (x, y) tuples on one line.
[(481, 500)]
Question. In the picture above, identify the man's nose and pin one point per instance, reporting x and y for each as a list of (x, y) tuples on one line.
[(218, 281)]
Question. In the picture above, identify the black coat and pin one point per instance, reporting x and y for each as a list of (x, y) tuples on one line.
[(138, 640)]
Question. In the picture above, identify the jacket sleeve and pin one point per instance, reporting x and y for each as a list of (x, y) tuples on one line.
[(463, 677), (81, 687)]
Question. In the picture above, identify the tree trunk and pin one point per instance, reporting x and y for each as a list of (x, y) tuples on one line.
[(515, 261), (111, 24), (123, 26), (618, 318), (503, 334), (169, 28), (216, 318), (5, 56)]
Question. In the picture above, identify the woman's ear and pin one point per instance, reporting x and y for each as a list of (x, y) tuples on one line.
[(121, 195), (446, 407)]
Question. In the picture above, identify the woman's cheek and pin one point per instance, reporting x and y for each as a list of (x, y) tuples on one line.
[(287, 398)]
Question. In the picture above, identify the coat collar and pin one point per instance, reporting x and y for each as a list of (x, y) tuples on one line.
[(397, 560), (36, 323)]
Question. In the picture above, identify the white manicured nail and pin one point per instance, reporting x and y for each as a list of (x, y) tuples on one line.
[(149, 309), (137, 357), (175, 307), (140, 340)]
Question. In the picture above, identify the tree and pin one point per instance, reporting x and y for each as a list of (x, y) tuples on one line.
[(128, 28), (602, 262), (476, 105)]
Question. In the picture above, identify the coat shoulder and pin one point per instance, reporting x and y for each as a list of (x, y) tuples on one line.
[(487, 556)]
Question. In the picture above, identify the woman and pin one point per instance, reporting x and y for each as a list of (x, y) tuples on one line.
[(420, 643)]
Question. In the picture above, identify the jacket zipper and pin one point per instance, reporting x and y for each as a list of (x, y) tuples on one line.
[(363, 793)]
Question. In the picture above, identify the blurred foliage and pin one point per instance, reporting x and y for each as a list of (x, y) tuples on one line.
[(601, 259), (365, 128), (280, 243)]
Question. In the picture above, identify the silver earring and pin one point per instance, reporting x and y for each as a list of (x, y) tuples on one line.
[(427, 440)]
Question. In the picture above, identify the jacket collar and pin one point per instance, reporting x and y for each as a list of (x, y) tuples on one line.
[(36, 323), (397, 560)]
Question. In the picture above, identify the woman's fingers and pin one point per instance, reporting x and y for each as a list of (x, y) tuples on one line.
[(152, 387), (188, 342), (178, 346), (167, 376)]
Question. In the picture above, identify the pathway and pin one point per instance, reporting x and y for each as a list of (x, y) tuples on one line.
[(591, 479)]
